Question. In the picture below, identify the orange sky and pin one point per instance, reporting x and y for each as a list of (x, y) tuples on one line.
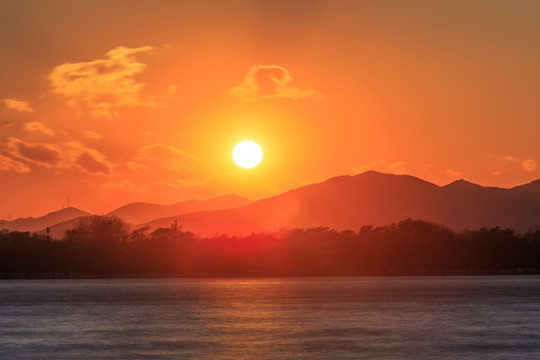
[(108, 102)]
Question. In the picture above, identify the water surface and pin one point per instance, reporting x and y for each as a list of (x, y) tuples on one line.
[(469, 317)]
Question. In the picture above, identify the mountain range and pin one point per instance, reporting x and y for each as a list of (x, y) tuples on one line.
[(341, 203), (139, 212), (372, 198), (133, 213), (42, 222)]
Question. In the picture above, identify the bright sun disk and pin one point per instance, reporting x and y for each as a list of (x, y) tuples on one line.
[(247, 154)]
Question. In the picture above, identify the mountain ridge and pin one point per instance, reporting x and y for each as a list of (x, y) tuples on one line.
[(373, 198), (139, 212), (62, 219), (348, 202), (39, 223)]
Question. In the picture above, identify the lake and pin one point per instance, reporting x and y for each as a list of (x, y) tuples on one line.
[(454, 317)]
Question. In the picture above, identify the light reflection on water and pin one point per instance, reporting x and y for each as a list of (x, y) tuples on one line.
[(491, 317)]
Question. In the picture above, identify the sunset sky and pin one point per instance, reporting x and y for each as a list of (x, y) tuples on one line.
[(109, 102)]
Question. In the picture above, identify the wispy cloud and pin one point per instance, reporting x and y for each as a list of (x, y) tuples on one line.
[(165, 157), (125, 185), (454, 173), (87, 159), (92, 135), (269, 81), (396, 167), (70, 154), (38, 127), (9, 164), (161, 187), (46, 155), (528, 165), (509, 158), (103, 85), (17, 105)]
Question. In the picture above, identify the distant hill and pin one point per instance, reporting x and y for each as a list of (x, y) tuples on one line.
[(40, 223), (344, 202), (58, 231), (140, 212), (135, 213), (530, 188), (372, 198)]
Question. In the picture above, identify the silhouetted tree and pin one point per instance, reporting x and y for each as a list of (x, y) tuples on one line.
[(99, 241), (104, 246)]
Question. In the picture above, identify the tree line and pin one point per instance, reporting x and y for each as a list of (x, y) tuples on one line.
[(105, 246)]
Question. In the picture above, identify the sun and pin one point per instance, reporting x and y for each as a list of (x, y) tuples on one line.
[(247, 154)]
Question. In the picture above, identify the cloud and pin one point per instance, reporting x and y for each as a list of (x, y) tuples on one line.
[(87, 159), (397, 167), (61, 156), (161, 187), (454, 173), (8, 164), (92, 164), (17, 105), (125, 185), (92, 135), (508, 158), (38, 127), (103, 85), (269, 81), (46, 155), (529, 165), (167, 157)]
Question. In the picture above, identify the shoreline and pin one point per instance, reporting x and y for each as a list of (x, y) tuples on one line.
[(53, 276)]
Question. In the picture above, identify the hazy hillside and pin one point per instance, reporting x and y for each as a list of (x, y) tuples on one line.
[(58, 231), (344, 202), (135, 213), (40, 223), (371, 198), (140, 212)]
